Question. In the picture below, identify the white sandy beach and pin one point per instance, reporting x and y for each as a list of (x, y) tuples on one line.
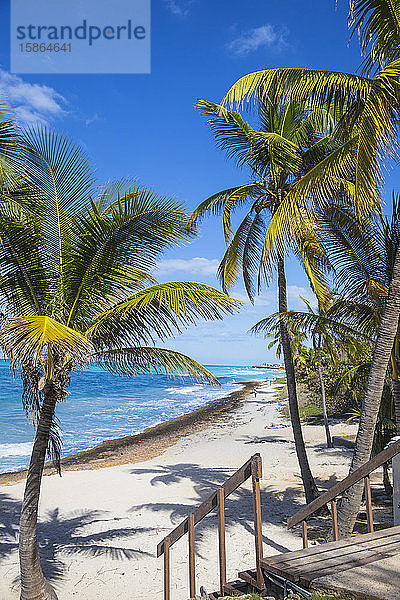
[(99, 528)]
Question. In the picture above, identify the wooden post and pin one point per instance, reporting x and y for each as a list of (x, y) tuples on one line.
[(305, 535), (368, 502), (335, 530), (256, 475), (167, 582), (221, 539), (396, 489), (192, 558)]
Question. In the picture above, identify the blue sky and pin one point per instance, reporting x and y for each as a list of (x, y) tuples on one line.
[(146, 126)]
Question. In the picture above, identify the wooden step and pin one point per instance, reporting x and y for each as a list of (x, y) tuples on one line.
[(249, 577), (235, 588)]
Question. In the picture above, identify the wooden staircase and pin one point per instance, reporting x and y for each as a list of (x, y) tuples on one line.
[(216, 501), (288, 570)]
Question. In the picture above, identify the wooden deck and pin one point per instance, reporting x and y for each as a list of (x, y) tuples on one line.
[(373, 555), (304, 566)]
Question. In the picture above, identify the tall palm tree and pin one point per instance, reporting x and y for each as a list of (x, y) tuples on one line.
[(291, 140), (297, 338), (371, 113), (363, 254), (76, 288)]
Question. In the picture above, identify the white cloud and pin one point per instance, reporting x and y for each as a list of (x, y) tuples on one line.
[(179, 8), (32, 103), (265, 35), (92, 119), (264, 299), (198, 265), (295, 293)]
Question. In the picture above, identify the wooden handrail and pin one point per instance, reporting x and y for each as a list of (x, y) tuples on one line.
[(211, 503), (338, 489), (252, 468)]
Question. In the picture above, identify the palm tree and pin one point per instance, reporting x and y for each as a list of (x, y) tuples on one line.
[(370, 108), (297, 337), (76, 288), (363, 255), (292, 140), (330, 332)]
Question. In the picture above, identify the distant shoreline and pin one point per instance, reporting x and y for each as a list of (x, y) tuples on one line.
[(149, 443)]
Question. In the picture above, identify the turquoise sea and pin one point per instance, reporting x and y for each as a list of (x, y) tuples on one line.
[(102, 406)]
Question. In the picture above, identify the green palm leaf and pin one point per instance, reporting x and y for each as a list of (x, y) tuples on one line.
[(226, 202), (26, 338), (24, 285), (115, 249), (64, 179), (377, 22), (158, 312), (369, 108), (141, 360)]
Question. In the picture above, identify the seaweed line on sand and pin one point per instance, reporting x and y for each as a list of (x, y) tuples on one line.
[(149, 443)]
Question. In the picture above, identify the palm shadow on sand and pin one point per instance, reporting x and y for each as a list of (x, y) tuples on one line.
[(60, 536), (276, 506)]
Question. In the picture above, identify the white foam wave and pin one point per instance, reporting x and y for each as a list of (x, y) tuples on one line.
[(185, 390), (21, 449)]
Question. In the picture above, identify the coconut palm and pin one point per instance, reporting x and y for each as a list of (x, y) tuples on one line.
[(363, 255), (292, 139), (76, 288), (371, 111), (297, 338)]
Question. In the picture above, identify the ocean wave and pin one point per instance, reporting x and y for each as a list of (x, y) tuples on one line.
[(184, 390), (21, 449), (102, 406)]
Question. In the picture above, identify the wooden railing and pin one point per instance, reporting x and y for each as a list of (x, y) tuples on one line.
[(332, 494), (252, 468)]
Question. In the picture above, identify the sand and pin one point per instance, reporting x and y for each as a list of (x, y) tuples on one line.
[(99, 527)]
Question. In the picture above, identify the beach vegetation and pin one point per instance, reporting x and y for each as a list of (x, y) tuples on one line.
[(77, 288), (331, 332)]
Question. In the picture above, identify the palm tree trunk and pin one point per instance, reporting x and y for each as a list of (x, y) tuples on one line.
[(396, 401), (34, 586), (323, 395), (310, 488), (387, 484), (351, 499)]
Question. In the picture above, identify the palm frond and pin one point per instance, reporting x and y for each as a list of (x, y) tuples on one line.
[(114, 251), (159, 312), (24, 285), (354, 245), (377, 22), (140, 360), (309, 323), (246, 146), (29, 339), (61, 174), (226, 202), (230, 131), (315, 261), (231, 266), (11, 166), (367, 106), (320, 88)]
